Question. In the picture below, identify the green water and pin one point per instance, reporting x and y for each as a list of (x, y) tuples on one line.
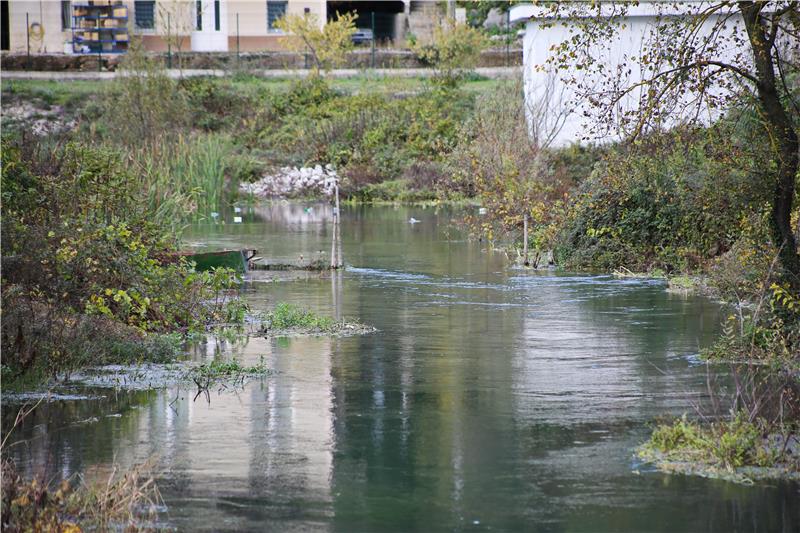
[(491, 399)]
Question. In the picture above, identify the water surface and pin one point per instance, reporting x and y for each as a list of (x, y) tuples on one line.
[(490, 399)]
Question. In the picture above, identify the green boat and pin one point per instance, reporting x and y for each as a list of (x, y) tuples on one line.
[(237, 260)]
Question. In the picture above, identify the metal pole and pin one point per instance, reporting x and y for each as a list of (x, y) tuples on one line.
[(169, 40), (237, 39), (373, 38), (508, 37), (338, 230), (525, 238), (28, 37), (333, 240)]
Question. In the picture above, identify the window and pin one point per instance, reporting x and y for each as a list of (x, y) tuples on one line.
[(216, 15), (144, 12), (66, 15), (275, 11), (199, 25)]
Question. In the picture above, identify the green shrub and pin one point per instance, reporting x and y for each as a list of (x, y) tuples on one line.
[(87, 265), (673, 202), (453, 50)]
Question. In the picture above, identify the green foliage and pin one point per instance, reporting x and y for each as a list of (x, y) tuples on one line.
[(369, 138), (679, 435), (729, 444), (143, 105), (288, 316), (219, 369), (326, 43), (215, 103), (87, 270), (453, 51), (478, 10), (399, 190), (673, 202), (188, 178), (496, 160)]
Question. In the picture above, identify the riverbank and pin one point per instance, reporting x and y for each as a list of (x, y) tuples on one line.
[(646, 206), (462, 351)]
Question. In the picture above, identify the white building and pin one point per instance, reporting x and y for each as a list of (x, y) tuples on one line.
[(560, 114)]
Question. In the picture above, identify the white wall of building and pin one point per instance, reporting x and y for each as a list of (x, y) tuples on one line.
[(553, 105), (212, 37)]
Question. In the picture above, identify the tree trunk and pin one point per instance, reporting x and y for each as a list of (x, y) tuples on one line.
[(783, 140)]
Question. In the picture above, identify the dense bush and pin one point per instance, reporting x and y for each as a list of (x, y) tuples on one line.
[(85, 264), (369, 138), (671, 202)]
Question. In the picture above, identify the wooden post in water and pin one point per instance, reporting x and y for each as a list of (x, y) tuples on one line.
[(525, 238)]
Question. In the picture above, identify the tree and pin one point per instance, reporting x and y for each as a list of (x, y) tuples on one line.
[(701, 56), (328, 44), (478, 10), (177, 19), (453, 50)]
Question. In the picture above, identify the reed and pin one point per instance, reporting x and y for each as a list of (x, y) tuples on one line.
[(187, 178)]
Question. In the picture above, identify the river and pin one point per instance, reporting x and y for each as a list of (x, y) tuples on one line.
[(491, 398)]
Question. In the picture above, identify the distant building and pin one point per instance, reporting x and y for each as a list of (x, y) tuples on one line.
[(563, 116), (47, 26)]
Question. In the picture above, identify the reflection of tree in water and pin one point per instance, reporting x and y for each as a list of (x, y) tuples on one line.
[(65, 436)]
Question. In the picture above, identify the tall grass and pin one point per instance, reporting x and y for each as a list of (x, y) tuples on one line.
[(186, 179)]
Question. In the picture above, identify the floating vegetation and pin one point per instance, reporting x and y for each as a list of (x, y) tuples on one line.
[(623, 272), (229, 374), (288, 319)]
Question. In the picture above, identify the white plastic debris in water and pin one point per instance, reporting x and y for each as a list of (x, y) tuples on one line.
[(482, 211), (237, 209), (413, 220), (237, 220)]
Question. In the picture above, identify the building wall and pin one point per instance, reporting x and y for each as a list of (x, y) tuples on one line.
[(174, 20), (45, 13), (552, 105)]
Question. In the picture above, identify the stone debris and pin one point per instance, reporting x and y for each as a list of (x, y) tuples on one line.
[(293, 182)]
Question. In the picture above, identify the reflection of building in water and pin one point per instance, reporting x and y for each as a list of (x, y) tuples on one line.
[(294, 214), (275, 435), (293, 439)]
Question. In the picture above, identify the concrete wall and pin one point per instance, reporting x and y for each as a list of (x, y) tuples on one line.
[(45, 14), (553, 105)]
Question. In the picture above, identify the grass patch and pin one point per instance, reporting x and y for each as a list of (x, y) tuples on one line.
[(736, 449), (287, 318), (683, 284), (232, 369)]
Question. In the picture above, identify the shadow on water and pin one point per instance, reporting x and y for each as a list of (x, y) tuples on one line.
[(490, 398)]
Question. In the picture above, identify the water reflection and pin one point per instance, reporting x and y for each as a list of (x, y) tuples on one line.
[(490, 399)]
